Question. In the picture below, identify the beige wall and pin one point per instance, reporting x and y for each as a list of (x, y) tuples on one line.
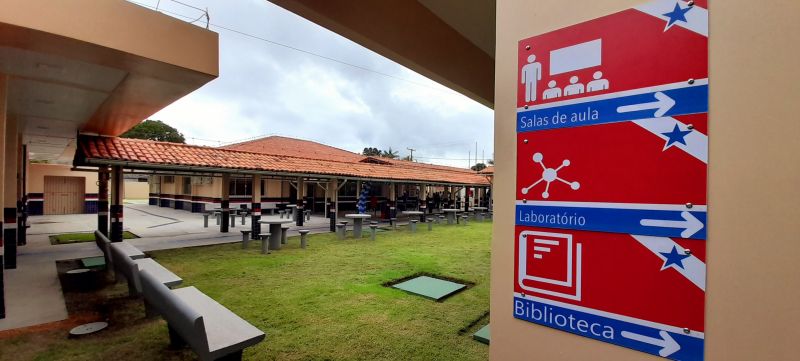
[(37, 172), (136, 190), (752, 307)]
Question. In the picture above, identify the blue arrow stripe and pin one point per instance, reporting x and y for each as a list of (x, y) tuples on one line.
[(617, 220), (689, 100), (603, 328)]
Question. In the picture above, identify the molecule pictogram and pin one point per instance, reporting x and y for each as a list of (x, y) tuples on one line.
[(549, 175)]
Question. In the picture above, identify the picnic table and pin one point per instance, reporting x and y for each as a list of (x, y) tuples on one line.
[(479, 213), (358, 219), (421, 214), (292, 209), (451, 214), (275, 230)]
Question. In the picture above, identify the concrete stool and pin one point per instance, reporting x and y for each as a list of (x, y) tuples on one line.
[(303, 233), (430, 223), (272, 211), (465, 218), (245, 238), (233, 220), (340, 230), (479, 216), (440, 218), (372, 230), (244, 215), (218, 216), (308, 214), (205, 219), (413, 225), (282, 213), (264, 242), (393, 221), (374, 222), (284, 231)]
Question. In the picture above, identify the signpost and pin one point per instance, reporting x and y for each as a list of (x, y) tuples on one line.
[(612, 156)]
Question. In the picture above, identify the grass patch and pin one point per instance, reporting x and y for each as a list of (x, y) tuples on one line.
[(327, 302), (67, 238)]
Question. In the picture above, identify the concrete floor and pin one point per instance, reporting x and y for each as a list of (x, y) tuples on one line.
[(32, 291)]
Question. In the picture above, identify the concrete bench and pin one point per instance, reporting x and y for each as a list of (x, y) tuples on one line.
[(127, 249), (102, 243), (303, 237), (341, 230), (373, 228), (264, 242), (245, 238), (129, 268), (210, 329), (284, 232)]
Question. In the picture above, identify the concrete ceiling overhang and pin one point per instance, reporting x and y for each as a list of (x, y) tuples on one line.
[(449, 41), (97, 67)]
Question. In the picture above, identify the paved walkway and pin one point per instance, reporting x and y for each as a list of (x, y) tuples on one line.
[(33, 292)]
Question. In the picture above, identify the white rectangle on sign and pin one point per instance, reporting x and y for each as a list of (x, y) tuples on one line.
[(576, 57)]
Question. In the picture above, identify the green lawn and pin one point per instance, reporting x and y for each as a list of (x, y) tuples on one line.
[(327, 302), (67, 238)]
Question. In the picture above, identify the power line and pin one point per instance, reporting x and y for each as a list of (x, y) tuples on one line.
[(273, 42)]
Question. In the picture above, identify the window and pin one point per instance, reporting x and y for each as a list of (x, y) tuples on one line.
[(187, 185), (169, 179), (240, 187)]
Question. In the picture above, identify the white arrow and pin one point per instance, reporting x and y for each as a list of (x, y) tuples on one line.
[(662, 104), (666, 342), (690, 224)]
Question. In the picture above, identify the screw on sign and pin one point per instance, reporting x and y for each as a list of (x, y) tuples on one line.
[(603, 238)]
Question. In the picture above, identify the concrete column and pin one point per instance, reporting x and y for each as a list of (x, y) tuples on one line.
[(3, 87), (225, 204), (301, 201), (10, 193), (22, 197), (255, 207), (102, 199), (392, 200), (117, 191), (423, 197), (333, 189), (466, 198)]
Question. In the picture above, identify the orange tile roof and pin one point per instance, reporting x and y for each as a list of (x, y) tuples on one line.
[(138, 153), (487, 170)]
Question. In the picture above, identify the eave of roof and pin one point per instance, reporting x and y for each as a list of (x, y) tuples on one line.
[(145, 154)]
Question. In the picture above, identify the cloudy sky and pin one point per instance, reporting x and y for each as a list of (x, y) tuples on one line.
[(266, 89)]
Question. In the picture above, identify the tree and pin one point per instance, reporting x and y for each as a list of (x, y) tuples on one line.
[(408, 158), (478, 167), (490, 161), (372, 152), (155, 130), (391, 154)]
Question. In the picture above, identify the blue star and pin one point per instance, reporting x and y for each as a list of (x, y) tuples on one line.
[(676, 136), (673, 258), (677, 14)]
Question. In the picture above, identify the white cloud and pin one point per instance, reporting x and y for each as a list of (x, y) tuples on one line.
[(268, 89)]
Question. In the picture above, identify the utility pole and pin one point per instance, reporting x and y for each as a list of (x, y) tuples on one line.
[(476, 152), (412, 153)]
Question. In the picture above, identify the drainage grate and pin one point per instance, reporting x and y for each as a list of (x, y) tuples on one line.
[(429, 287)]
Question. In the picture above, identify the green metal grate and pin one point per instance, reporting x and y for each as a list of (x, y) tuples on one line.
[(483, 335), (93, 262), (430, 287)]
